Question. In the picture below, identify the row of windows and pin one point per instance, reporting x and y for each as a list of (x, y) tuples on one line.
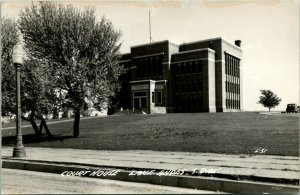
[(232, 87), (188, 68), (189, 104), (233, 104), (189, 86), (232, 66), (149, 67)]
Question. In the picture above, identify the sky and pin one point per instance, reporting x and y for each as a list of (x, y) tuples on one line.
[(268, 29)]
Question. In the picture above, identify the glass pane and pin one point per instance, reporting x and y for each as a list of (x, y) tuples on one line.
[(143, 102), (136, 103), (140, 93)]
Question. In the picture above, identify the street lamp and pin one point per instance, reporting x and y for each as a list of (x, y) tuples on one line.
[(19, 150)]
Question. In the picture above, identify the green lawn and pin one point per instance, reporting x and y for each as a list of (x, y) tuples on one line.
[(230, 133)]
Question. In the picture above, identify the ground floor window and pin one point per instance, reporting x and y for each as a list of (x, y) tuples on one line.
[(159, 97), (153, 97)]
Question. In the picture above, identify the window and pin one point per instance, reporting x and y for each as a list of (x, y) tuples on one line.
[(188, 87), (149, 67), (154, 61), (159, 66), (142, 68), (183, 87), (138, 68), (178, 87), (193, 67), (188, 68), (194, 87), (200, 67), (140, 93), (182, 71), (177, 69), (200, 85), (159, 97), (153, 99)]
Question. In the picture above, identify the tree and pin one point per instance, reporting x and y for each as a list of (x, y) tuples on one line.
[(9, 38), (34, 97), (38, 96), (268, 99), (82, 54)]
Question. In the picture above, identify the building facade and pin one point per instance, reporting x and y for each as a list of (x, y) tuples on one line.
[(201, 76)]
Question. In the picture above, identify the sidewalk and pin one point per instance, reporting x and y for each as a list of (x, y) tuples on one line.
[(263, 168)]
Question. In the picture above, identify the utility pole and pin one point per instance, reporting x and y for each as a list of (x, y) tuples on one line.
[(150, 25)]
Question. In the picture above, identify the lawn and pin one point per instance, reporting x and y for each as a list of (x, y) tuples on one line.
[(229, 133)]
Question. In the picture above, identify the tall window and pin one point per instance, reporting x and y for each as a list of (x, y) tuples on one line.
[(200, 85), (182, 69), (193, 67), (153, 97), (188, 68), (159, 97), (160, 66), (138, 68), (200, 67)]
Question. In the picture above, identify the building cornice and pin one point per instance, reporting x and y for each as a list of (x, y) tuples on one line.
[(194, 50), (150, 55), (154, 43)]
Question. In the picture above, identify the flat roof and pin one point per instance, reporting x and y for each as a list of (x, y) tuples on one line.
[(153, 43), (212, 39)]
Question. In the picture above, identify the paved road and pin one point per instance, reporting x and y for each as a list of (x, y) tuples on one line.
[(29, 182)]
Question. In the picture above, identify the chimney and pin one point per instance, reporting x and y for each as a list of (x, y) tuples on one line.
[(238, 43)]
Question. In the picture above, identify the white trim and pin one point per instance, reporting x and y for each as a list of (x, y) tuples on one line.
[(122, 61), (192, 60), (150, 55), (213, 39), (194, 50), (167, 41), (205, 40), (225, 52), (140, 81), (149, 80), (231, 44)]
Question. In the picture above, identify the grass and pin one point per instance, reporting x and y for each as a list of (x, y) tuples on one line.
[(229, 133)]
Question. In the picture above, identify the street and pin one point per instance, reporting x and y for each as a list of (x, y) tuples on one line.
[(29, 182)]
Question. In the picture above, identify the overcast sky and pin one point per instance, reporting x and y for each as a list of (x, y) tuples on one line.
[(269, 31)]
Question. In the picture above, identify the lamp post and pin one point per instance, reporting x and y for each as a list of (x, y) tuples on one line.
[(19, 150)]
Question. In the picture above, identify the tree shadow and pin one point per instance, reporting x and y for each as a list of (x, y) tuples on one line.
[(33, 138)]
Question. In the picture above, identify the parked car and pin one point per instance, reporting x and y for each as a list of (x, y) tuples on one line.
[(292, 108)]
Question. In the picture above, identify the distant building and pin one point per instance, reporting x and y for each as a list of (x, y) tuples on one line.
[(201, 76)]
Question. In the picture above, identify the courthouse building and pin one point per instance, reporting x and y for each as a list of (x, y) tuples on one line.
[(200, 76)]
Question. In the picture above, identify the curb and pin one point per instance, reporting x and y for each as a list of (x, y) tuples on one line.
[(194, 182)]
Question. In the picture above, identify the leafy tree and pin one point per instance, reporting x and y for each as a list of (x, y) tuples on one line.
[(9, 38), (34, 97), (268, 99), (82, 54), (38, 95)]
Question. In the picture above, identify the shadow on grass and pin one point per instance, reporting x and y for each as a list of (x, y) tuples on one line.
[(32, 138)]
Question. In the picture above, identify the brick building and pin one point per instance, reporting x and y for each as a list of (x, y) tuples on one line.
[(201, 76)]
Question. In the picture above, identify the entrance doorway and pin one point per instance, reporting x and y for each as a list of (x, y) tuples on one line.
[(139, 100)]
